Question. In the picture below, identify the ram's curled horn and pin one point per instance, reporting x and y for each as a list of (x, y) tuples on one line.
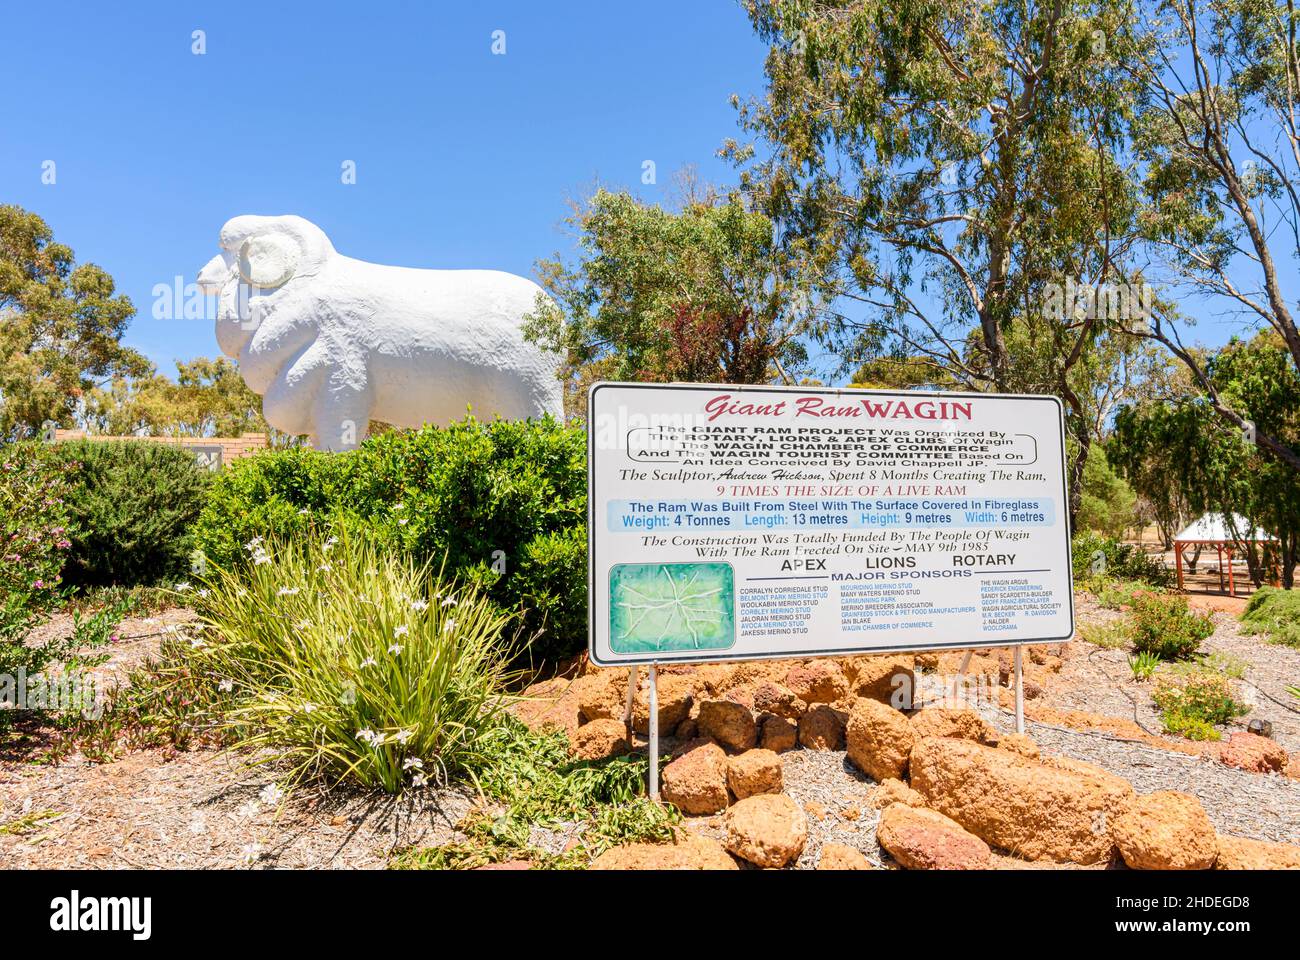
[(268, 261)]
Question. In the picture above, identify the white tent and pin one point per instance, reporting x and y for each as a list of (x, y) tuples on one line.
[(1215, 530)]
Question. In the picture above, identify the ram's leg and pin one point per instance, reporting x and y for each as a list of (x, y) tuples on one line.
[(289, 403), (342, 410)]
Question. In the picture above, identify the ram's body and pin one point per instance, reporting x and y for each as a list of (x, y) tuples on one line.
[(331, 342)]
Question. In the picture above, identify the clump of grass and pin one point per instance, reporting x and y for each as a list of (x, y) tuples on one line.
[(532, 781), (1109, 636), (349, 662), (1143, 665), (28, 823), (1115, 594), (1274, 613), (1193, 702)]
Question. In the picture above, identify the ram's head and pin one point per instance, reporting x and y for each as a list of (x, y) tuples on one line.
[(261, 257)]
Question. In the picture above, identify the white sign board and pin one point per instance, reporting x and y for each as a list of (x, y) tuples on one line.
[(727, 523)]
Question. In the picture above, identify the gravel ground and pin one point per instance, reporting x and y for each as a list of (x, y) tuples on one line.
[(1242, 804), (205, 809)]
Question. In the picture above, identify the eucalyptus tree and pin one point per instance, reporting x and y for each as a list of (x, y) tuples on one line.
[(1218, 140), (702, 293), (1177, 447), (958, 169)]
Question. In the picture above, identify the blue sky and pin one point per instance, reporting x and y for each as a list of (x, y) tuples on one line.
[(463, 158)]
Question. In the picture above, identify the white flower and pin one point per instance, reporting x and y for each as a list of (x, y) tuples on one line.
[(251, 852), (449, 626), (402, 522), (271, 794), (401, 631), (370, 737), (197, 643), (449, 602), (399, 506), (182, 586), (419, 780), (308, 707), (253, 544), (226, 685), (286, 591), (419, 606), (395, 649), (412, 763), (324, 568), (204, 592), (368, 662), (401, 736), (261, 557)]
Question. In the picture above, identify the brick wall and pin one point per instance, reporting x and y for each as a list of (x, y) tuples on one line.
[(232, 448)]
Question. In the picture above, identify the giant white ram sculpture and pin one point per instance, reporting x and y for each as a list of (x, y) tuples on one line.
[(331, 342)]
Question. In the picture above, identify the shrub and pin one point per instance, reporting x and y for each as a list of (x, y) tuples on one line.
[(1275, 613), (502, 504), (351, 662), (34, 522), (534, 781), (1117, 594), (33, 543), (133, 504), (1191, 703), (1123, 561), (1163, 626)]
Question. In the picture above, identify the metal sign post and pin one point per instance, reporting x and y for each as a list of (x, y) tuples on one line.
[(1019, 682), (654, 732)]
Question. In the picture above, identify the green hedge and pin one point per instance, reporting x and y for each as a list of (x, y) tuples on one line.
[(132, 505), (1124, 561), (504, 502)]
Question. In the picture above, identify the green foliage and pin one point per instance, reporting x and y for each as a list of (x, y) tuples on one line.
[(73, 653), (34, 527), (168, 701), (61, 327), (1275, 613), (134, 504), (1215, 467), (1118, 561), (34, 539), (502, 504), (1191, 704), (705, 294), (1143, 665), (1117, 594), (1107, 504), (1164, 627), (350, 662), (208, 398), (532, 781), (1108, 636)]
